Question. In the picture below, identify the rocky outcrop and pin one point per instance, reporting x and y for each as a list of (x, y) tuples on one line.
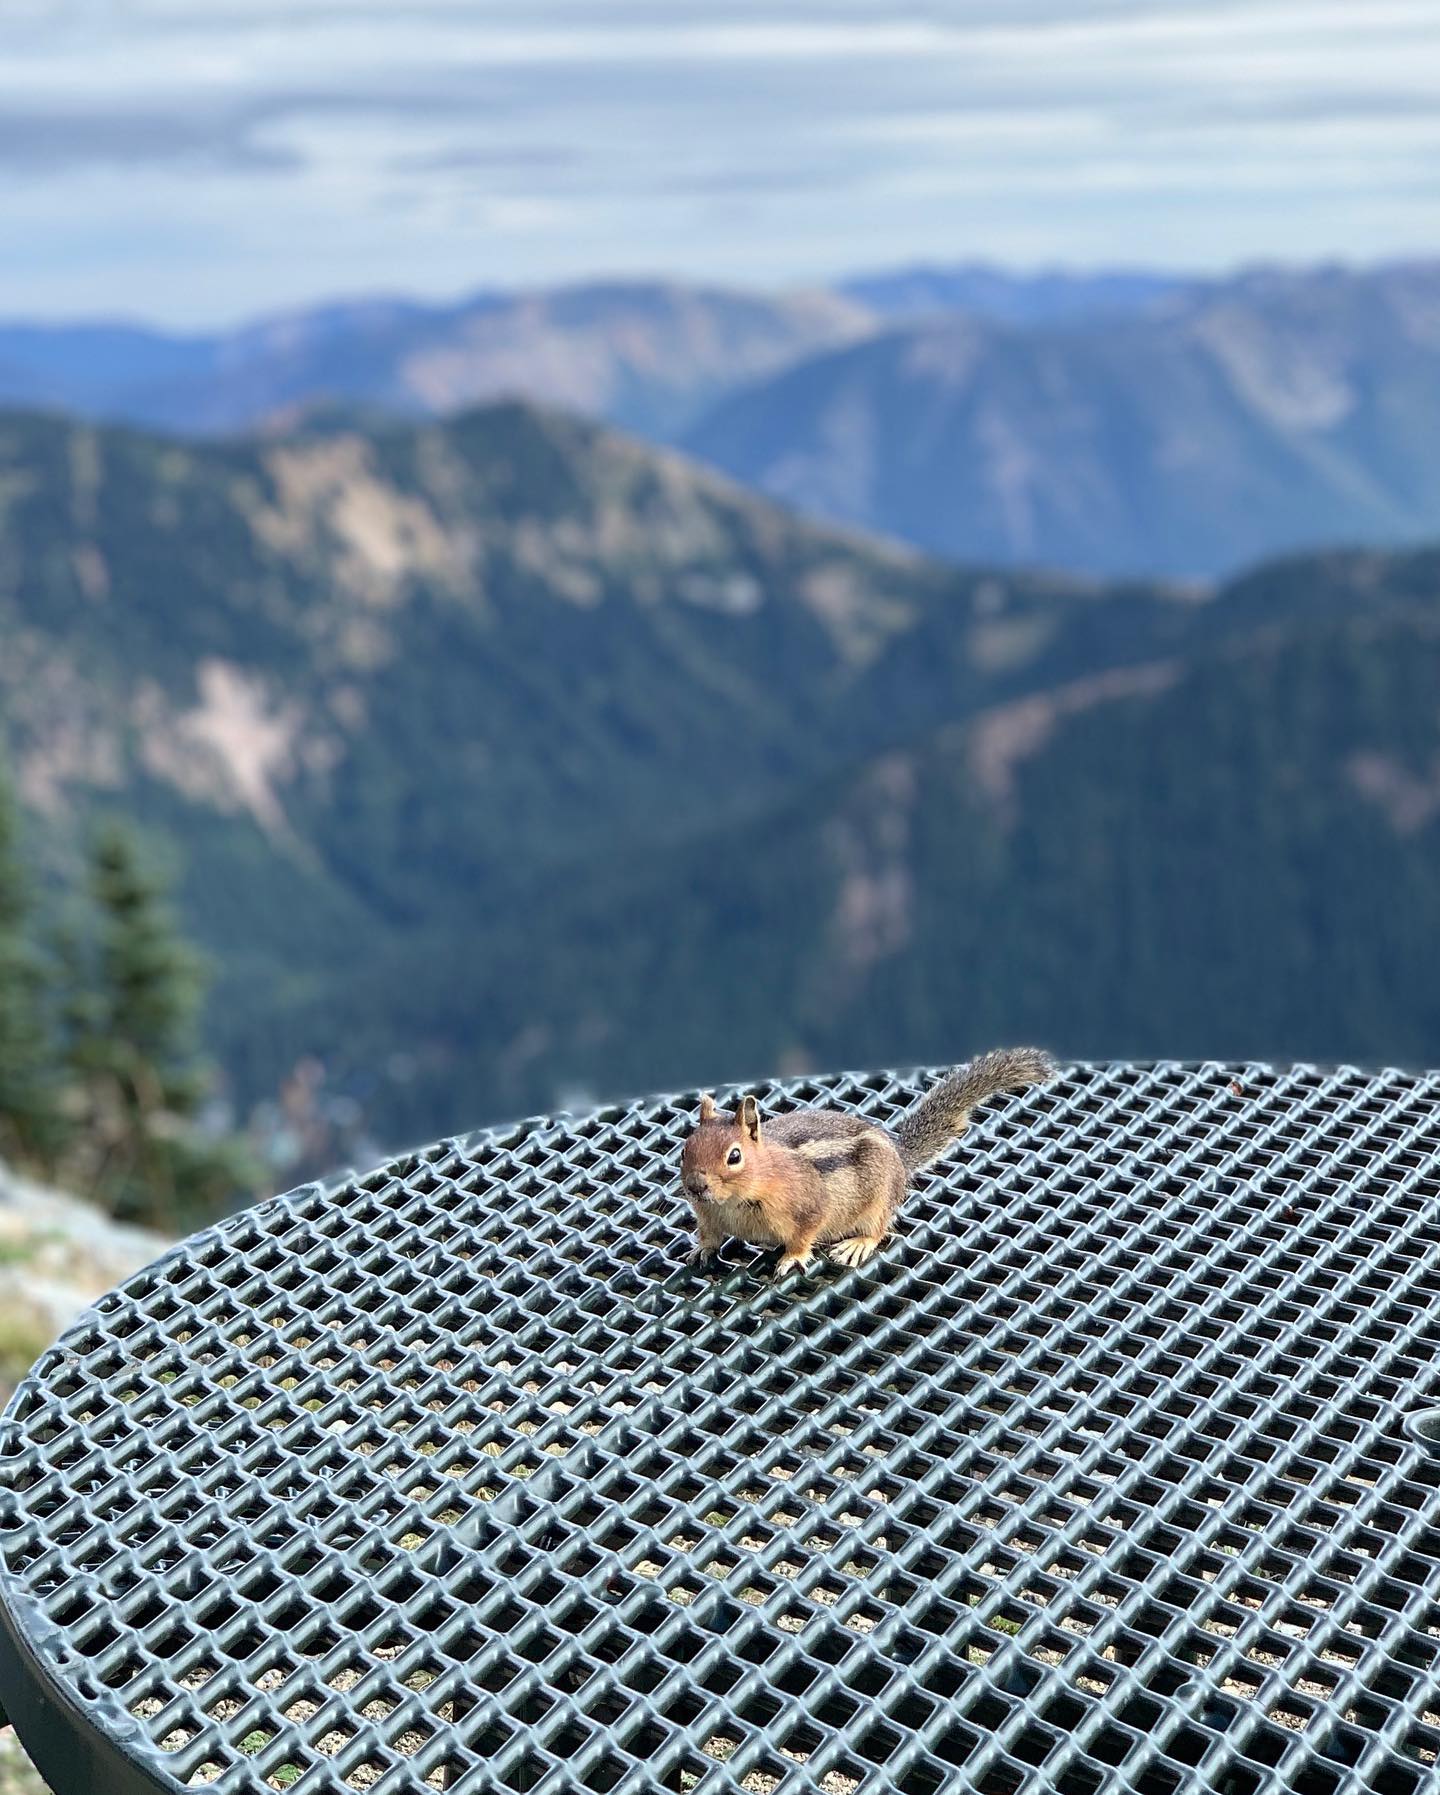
[(57, 1254)]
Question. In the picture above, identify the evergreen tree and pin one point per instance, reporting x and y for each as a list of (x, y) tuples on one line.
[(134, 994), (31, 1125)]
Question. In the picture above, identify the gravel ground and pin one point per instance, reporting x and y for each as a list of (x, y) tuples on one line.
[(17, 1775), (56, 1256)]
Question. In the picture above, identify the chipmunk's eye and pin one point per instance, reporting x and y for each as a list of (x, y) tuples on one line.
[(734, 1157)]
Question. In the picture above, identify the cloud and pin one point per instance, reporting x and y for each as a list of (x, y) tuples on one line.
[(468, 140), (487, 159), (53, 141)]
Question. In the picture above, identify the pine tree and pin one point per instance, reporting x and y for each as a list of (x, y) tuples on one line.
[(31, 1124), (134, 996)]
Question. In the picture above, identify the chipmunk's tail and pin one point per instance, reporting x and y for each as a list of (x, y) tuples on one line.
[(925, 1131)]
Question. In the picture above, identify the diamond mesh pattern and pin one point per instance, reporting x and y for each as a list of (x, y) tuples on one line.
[(448, 1479)]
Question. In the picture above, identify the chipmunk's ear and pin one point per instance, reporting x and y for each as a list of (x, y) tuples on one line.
[(708, 1111), (748, 1116)]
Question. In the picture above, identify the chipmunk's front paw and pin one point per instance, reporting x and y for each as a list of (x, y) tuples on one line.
[(702, 1259), (854, 1251), (789, 1262)]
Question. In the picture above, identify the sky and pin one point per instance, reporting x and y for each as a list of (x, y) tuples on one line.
[(196, 162)]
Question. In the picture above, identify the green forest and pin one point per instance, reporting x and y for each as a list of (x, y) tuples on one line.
[(502, 765), (102, 1081)]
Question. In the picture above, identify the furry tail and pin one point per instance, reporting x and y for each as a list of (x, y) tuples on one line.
[(925, 1131)]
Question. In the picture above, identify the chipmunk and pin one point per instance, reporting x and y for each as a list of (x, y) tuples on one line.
[(817, 1177)]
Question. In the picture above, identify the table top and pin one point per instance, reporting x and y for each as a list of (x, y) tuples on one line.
[(1096, 1478)]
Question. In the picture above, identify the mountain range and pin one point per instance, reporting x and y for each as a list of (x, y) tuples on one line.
[(502, 756), (1192, 437), (1124, 424), (649, 356), (394, 695), (1004, 296)]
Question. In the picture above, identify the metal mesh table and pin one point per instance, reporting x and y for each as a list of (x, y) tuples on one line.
[(448, 1479)]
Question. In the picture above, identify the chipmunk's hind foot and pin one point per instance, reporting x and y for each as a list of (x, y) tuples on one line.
[(854, 1252)]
